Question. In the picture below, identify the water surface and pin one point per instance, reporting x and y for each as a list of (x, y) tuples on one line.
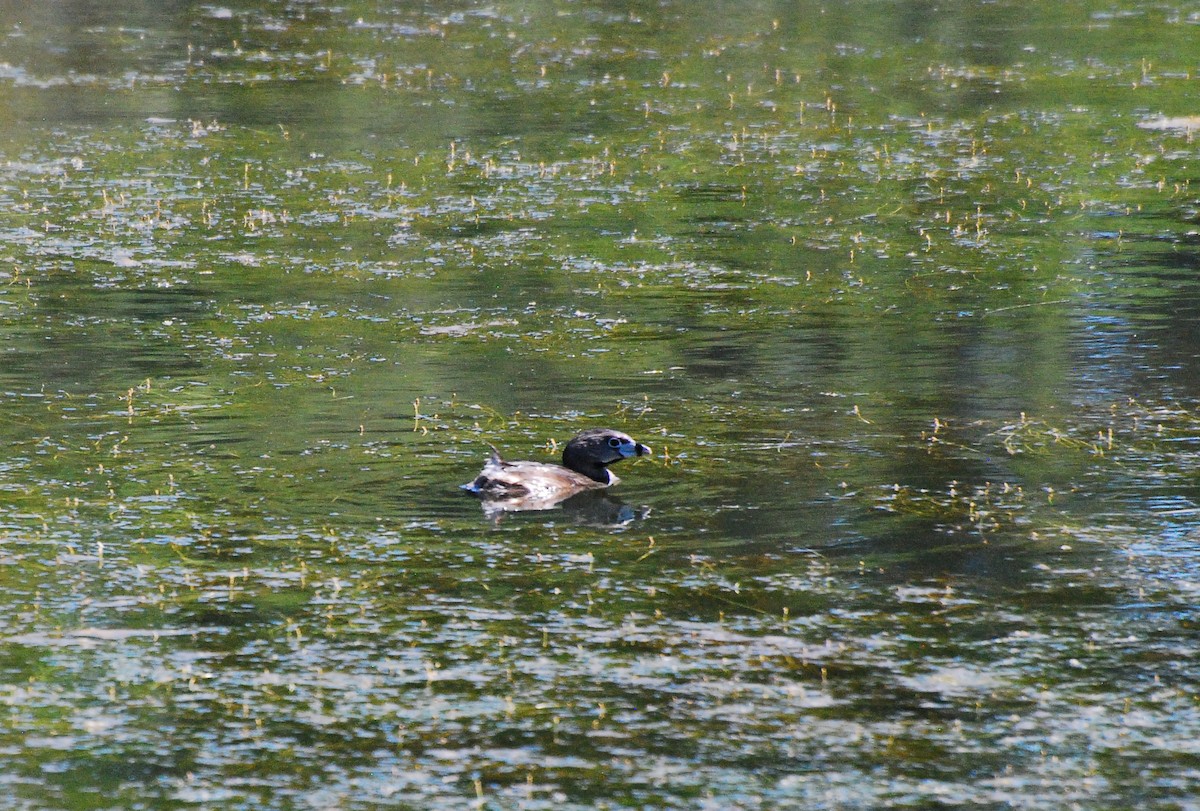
[(902, 296)]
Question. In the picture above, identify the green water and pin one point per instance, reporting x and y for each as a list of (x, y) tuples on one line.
[(903, 295)]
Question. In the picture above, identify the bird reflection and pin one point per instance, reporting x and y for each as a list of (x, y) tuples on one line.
[(589, 508)]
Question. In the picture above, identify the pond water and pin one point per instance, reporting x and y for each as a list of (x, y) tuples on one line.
[(903, 296)]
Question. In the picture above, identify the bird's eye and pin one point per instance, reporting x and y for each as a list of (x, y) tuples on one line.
[(613, 442)]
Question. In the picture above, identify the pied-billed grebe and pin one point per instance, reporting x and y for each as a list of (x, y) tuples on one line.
[(539, 486)]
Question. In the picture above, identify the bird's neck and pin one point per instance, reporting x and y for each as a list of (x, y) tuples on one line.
[(593, 470)]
